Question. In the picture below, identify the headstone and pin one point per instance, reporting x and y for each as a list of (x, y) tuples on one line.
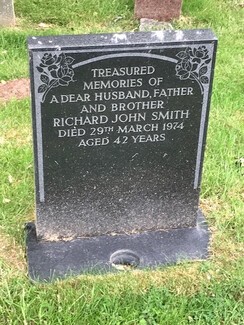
[(120, 125), (7, 16), (164, 10)]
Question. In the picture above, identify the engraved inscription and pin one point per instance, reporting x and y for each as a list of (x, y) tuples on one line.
[(121, 105), (138, 112)]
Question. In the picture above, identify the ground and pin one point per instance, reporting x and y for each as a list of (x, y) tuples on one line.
[(18, 88)]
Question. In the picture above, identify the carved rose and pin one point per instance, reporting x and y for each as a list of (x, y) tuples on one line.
[(193, 64), (49, 59), (184, 69), (200, 53), (63, 74), (55, 71)]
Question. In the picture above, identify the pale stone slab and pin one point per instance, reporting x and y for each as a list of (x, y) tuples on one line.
[(7, 16), (148, 25)]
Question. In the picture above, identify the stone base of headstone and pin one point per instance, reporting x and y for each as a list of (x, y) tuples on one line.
[(148, 25), (50, 260), (164, 10), (7, 16)]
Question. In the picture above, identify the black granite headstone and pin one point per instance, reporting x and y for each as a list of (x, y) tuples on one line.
[(119, 133)]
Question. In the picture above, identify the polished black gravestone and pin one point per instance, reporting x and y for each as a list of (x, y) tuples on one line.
[(120, 126)]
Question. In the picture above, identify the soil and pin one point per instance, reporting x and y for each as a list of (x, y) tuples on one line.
[(19, 89)]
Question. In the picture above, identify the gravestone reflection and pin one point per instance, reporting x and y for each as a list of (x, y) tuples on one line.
[(119, 133)]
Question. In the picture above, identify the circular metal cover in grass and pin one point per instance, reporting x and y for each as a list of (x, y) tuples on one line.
[(124, 259)]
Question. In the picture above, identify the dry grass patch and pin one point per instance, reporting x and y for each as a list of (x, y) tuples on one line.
[(12, 254), (20, 137), (182, 279), (184, 21), (210, 205), (224, 249)]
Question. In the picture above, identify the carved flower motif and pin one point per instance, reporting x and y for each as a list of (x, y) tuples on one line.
[(55, 71), (49, 59), (63, 74), (184, 69), (199, 53), (193, 64)]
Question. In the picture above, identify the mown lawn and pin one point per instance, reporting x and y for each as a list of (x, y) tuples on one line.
[(202, 292)]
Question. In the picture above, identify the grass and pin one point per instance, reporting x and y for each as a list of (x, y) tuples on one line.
[(56, 12), (133, 298), (207, 292), (58, 17)]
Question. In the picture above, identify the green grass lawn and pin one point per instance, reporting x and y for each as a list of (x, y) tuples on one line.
[(202, 292)]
